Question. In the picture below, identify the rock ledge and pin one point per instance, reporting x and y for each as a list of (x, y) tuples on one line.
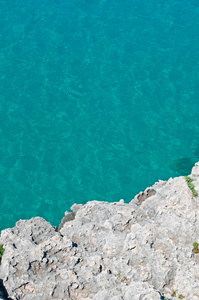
[(117, 251)]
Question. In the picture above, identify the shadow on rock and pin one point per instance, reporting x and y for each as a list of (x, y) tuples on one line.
[(3, 291)]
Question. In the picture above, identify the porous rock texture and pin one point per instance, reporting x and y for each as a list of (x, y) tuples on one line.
[(137, 251)]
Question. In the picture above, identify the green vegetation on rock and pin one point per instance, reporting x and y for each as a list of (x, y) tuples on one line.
[(189, 181), (195, 248), (1, 252)]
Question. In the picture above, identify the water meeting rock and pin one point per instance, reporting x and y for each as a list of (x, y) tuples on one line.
[(117, 251)]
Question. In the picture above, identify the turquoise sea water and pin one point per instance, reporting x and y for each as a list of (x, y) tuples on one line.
[(98, 100)]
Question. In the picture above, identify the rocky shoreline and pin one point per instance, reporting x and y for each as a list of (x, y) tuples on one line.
[(137, 251)]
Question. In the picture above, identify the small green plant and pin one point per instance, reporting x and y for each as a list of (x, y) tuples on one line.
[(1, 251), (173, 293), (195, 248), (122, 278), (189, 181)]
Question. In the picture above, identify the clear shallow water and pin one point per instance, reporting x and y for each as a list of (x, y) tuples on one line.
[(98, 100)]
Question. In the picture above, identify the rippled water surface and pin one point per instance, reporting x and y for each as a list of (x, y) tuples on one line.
[(98, 100)]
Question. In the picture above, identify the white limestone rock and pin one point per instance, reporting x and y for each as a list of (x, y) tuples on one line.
[(117, 251)]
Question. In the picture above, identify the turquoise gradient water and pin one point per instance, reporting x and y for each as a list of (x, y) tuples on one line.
[(98, 100)]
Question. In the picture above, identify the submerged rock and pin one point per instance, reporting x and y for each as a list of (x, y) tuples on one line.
[(117, 251)]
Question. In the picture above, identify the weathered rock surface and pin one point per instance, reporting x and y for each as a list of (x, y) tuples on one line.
[(137, 251)]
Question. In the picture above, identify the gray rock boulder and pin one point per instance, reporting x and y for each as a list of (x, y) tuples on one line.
[(117, 251)]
